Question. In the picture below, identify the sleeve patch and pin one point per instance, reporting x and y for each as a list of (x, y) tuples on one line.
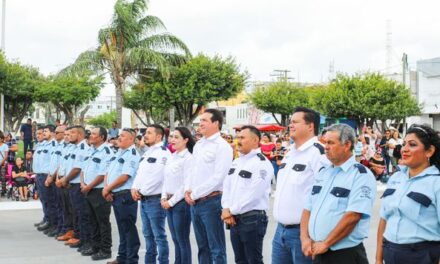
[(361, 168), (319, 147), (133, 152), (107, 150), (261, 156)]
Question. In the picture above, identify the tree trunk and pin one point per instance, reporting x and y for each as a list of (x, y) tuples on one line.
[(119, 89), (82, 114), (276, 119), (139, 117)]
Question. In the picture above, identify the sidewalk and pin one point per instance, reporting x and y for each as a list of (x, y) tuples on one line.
[(7, 204)]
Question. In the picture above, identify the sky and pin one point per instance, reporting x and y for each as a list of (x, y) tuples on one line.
[(303, 37)]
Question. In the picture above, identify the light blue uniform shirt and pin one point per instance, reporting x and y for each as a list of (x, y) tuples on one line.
[(46, 153), (96, 163), (56, 157), (125, 161), (36, 168), (66, 164), (350, 187), (78, 156), (411, 207)]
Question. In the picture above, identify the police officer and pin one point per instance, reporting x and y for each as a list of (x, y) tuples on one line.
[(117, 184), (147, 188), (47, 191), (295, 179), (245, 200), (409, 227), (66, 206), (77, 157), (92, 182), (176, 171), (55, 161), (212, 160), (337, 214), (40, 178)]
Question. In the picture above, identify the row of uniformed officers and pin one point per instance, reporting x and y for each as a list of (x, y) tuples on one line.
[(323, 199)]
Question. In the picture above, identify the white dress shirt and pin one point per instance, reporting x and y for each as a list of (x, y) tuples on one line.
[(149, 176), (176, 173), (295, 179), (212, 160), (247, 185)]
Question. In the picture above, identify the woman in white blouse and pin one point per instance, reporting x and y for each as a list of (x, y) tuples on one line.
[(178, 211)]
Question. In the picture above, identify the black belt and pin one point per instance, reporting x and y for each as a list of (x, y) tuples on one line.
[(251, 213), (290, 226), (412, 246), (121, 192), (150, 197)]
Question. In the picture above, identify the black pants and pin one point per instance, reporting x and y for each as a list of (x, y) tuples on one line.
[(417, 253), (100, 227), (353, 255), (66, 209), (27, 144)]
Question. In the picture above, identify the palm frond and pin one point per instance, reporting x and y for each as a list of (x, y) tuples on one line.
[(90, 60), (151, 24), (165, 43), (141, 57)]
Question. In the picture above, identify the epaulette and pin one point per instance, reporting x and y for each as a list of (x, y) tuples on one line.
[(53, 143), (261, 156), (133, 151), (107, 150), (81, 146), (163, 148), (320, 147), (361, 168)]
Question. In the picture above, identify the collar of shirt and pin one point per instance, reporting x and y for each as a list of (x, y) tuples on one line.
[(306, 144), (103, 145), (429, 171), (250, 154), (347, 164), (123, 151), (213, 137), (182, 153)]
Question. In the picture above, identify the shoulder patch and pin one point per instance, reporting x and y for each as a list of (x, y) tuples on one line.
[(320, 147), (261, 156), (133, 151), (163, 148), (361, 168), (82, 146), (107, 150)]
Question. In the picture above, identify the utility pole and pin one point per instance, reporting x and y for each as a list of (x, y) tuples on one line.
[(404, 67), (282, 75), (2, 96)]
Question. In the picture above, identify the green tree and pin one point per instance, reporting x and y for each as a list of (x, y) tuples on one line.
[(366, 98), (18, 84), (190, 87), (279, 98), (130, 45), (104, 120), (70, 94)]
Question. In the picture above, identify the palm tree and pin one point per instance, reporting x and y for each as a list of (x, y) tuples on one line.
[(131, 46)]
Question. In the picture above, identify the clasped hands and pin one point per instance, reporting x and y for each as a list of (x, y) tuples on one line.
[(311, 248)]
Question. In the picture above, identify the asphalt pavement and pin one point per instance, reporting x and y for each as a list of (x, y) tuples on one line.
[(21, 243)]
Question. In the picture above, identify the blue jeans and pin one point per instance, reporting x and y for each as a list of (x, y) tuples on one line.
[(125, 210), (247, 238), (179, 222), (286, 247), (275, 168), (81, 226), (153, 228), (209, 230)]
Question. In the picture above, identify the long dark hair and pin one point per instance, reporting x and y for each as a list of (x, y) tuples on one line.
[(429, 137), (186, 134)]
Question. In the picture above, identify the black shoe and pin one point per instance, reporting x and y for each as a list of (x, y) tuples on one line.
[(39, 223), (43, 226), (53, 233), (88, 251), (50, 230), (101, 255), (76, 246)]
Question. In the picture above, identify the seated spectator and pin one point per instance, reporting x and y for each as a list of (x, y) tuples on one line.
[(29, 161), (377, 165), (19, 176)]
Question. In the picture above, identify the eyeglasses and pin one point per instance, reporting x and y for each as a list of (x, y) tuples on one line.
[(131, 130)]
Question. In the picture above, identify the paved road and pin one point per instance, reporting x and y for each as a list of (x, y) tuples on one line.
[(21, 243)]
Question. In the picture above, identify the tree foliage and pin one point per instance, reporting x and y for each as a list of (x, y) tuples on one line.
[(104, 120), (189, 87), (280, 98), (18, 84), (131, 43), (366, 98)]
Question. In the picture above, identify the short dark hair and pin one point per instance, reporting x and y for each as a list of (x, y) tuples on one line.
[(216, 116), (51, 128), (81, 129), (310, 116), (186, 134), (102, 132), (40, 128), (253, 130), (158, 129)]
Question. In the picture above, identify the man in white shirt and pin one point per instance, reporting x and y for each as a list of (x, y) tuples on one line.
[(212, 160), (245, 200), (295, 179), (147, 187)]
